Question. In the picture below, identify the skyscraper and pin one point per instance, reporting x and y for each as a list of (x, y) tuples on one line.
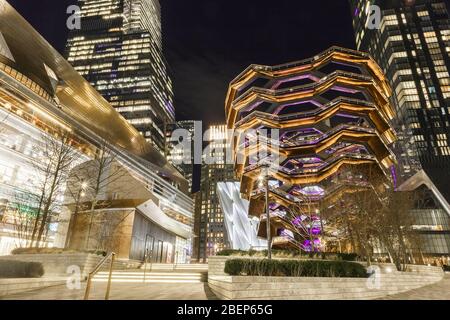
[(119, 51), (209, 223), (412, 45), (176, 154)]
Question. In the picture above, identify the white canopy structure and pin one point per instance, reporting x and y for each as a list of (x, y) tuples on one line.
[(241, 229)]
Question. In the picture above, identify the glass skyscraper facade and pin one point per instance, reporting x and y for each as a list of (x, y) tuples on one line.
[(209, 225), (119, 51), (412, 45), (175, 154)]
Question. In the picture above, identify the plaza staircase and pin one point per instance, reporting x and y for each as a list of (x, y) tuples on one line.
[(158, 273)]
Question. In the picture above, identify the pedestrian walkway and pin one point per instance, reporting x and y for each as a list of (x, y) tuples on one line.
[(157, 282), (191, 290), (123, 291), (437, 291)]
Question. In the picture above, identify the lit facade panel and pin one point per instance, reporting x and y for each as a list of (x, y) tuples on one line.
[(242, 230), (412, 46), (119, 51), (327, 123)]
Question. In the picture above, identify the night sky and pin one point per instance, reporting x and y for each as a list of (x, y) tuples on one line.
[(209, 42)]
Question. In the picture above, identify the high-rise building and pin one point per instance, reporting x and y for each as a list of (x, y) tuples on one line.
[(412, 46), (209, 226), (176, 154), (331, 135), (119, 51)]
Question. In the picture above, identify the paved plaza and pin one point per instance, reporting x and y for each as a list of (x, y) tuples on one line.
[(123, 291), (191, 291), (437, 291)]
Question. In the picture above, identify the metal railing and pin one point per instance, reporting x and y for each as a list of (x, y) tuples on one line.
[(146, 261), (91, 275)]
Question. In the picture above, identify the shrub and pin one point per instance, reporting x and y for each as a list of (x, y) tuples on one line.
[(290, 253), (294, 268), (347, 256), (35, 250), (20, 269), (231, 252)]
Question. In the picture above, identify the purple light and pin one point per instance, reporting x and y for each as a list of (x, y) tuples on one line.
[(315, 231), (312, 191), (356, 12), (307, 245), (252, 106), (297, 221), (343, 89), (347, 116), (280, 108), (394, 176)]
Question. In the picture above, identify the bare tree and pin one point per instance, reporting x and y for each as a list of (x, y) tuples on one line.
[(75, 193), (102, 172), (22, 216), (394, 227), (57, 157)]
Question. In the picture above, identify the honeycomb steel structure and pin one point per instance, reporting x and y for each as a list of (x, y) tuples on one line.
[(333, 117)]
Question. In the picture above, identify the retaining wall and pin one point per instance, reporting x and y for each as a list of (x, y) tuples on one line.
[(388, 281)]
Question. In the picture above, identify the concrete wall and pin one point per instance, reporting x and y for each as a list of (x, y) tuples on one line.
[(13, 286), (57, 264), (389, 281), (110, 230), (55, 267)]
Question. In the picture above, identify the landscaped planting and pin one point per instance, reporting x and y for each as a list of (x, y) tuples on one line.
[(290, 254), (35, 250), (20, 269), (294, 268)]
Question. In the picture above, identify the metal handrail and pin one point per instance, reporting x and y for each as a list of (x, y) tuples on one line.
[(91, 275), (175, 261), (147, 256)]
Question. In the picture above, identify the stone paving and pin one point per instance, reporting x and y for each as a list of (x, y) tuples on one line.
[(437, 291), (123, 291), (192, 291)]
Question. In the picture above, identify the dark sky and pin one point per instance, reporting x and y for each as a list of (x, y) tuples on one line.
[(209, 42)]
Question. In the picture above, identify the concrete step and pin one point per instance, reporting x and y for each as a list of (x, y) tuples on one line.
[(167, 267), (138, 276)]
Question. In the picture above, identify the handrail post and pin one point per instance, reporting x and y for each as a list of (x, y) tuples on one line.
[(175, 262), (108, 288), (88, 288), (145, 264), (94, 272)]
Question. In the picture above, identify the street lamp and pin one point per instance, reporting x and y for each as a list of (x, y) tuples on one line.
[(265, 178)]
